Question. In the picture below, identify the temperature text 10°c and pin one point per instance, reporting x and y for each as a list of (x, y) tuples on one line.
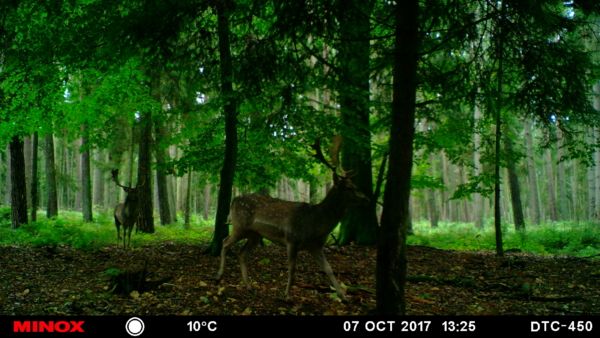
[(198, 326)]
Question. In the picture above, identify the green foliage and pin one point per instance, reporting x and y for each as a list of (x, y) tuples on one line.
[(69, 229), (565, 238)]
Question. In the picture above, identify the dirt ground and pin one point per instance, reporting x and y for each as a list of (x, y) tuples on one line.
[(179, 281)]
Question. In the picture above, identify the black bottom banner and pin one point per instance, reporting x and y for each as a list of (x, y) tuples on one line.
[(309, 327)]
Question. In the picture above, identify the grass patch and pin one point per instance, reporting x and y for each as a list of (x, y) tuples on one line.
[(69, 229), (561, 238)]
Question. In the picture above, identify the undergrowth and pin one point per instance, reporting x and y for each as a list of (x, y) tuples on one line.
[(580, 239), (561, 238)]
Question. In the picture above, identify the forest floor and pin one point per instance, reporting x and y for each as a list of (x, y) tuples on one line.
[(60, 280)]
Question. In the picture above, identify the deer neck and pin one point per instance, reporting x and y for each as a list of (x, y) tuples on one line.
[(333, 208)]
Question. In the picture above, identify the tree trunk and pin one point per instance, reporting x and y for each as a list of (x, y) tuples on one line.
[(391, 243), (34, 176), (478, 200), (146, 218), (498, 108), (161, 178), (206, 201), (562, 203), (515, 188), (18, 191), (52, 200), (86, 179), (28, 156), (596, 134), (7, 197), (188, 195), (534, 199), (359, 223), (99, 179), (432, 208), (230, 108), (551, 203)]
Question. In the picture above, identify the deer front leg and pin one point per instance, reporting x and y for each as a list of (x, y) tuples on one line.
[(292, 252), (324, 264)]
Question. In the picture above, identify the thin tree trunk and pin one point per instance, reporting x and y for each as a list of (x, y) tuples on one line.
[(17, 177), (86, 179), (446, 185), (51, 189), (498, 108), (206, 201), (391, 244), (188, 196), (34, 176), (146, 218), (515, 188), (561, 181), (161, 178), (534, 199), (28, 156), (478, 200), (99, 179), (7, 197), (551, 203), (230, 109), (596, 134), (432, 208)]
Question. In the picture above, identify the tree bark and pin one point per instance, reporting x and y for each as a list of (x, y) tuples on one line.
[(391, 243), (188, 196), (206, 201), (99, 179), (146, 218), (18, 191), (230, 109), (161, 178), (51, 189), (515, 188), (86, 179), (34, 176), (478, 200), (562, 200), (498, 108), (551, 202), (360, 223), (432, 208), (534, 199)]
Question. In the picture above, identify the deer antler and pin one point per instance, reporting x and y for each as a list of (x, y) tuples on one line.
[(319, 155), (115, 175)]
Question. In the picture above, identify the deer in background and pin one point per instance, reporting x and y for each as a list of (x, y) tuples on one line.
[(126, 214), (298, 226)]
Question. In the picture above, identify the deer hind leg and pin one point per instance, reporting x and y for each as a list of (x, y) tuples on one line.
[(292, 252), (324, 264), (251, 243)]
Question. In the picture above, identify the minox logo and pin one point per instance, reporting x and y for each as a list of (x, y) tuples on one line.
[(41, 326)]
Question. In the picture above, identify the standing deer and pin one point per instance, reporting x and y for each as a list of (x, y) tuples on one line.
[(298, 226), (126, 213)]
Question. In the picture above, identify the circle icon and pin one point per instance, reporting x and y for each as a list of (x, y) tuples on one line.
[(134, 326)]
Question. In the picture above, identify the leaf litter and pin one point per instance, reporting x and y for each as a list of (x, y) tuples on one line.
[(61, 280)]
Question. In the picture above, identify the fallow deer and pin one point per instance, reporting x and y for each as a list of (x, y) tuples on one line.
[(298, 226)]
